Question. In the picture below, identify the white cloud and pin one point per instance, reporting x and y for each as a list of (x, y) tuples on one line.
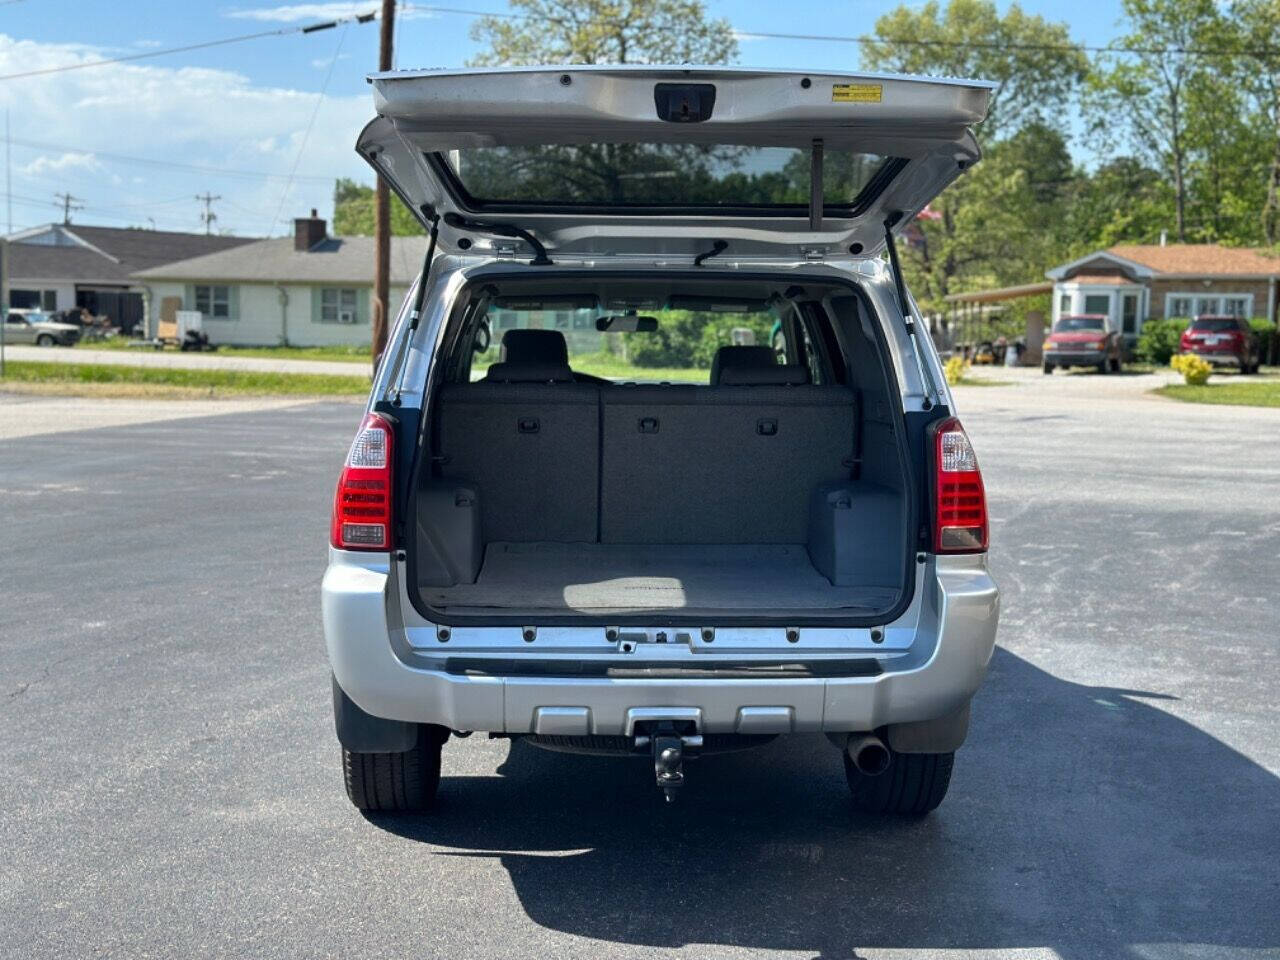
[(292, 13), (322, 63), (79, 120), (60, 164), (296, 12)]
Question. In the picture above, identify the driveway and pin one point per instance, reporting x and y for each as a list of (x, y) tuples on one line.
[(172, 788)]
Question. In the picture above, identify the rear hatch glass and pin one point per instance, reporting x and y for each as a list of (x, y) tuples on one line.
[(1213, 325), (659, 175)]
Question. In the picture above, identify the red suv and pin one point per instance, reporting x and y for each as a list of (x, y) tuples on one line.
[(1223, 341)]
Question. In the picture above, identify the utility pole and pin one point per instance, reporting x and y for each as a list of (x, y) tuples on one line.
[(382, 208), (8, 179), (68, 204), (208, 216)]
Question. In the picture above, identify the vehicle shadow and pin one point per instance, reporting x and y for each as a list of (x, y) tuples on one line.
[(1080, 818)]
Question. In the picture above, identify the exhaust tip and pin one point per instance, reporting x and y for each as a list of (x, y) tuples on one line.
[(870, 755)]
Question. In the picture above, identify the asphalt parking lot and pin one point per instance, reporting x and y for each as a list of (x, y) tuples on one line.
[(172, 787)]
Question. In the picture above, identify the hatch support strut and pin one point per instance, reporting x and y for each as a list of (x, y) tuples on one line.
[(913, 328), (815, 186)]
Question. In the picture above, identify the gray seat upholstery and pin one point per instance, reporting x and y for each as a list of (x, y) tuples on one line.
[(531, 450), (720, 465), (534, 346), (740, 357)]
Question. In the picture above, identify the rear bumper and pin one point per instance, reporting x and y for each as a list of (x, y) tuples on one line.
[(1217, 359), (936, 675)]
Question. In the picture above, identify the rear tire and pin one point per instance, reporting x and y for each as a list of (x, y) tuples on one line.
[(1048, 368), (1103, 366), (914, 784), (396, 782), (44, 340)]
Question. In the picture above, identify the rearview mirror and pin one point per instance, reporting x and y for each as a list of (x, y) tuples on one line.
[(628, 323)]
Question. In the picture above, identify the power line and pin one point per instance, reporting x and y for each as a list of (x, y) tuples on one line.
[(197, 168), (306, 134), (883, 42), (202, 45)]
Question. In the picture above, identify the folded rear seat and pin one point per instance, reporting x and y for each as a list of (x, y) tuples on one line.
[(724, 464)]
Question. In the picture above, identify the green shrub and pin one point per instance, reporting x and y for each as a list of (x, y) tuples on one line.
[(690, 340), (1268, 339), (1159, 340)]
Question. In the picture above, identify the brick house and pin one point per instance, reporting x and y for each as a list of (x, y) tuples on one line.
[(1131, 284)]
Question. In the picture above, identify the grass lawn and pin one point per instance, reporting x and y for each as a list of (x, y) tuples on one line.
[(1237, 392), (111, 380), (340, 353), (981, 382)]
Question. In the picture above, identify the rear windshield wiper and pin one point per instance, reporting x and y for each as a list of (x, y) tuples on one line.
[(540, 258), (717, 247), (913, 328)]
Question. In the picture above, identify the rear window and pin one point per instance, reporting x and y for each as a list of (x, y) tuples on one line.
[(660, 176), (1214, 324), (1068, 324), (679, 351)]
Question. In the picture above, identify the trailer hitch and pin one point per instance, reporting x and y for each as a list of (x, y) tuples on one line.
[(669, 747)]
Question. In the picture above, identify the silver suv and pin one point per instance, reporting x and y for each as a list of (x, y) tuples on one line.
[(660, 459)]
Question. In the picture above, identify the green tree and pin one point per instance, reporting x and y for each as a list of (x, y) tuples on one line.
[(604, 31), (999, 224), (1257, 32), (1122, 201), (353, 212), (1148, 93), (1033, 62)]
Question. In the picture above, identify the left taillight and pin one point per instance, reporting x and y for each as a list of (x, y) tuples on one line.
[(362, 515), (960, 499)]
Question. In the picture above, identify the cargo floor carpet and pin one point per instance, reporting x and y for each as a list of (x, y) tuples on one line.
[(598, 579)]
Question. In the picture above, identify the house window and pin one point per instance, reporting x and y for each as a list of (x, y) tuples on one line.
[(1098, 303), (1199, 305), (214, 301), (562, 320), (338, 305), (1129, 313)]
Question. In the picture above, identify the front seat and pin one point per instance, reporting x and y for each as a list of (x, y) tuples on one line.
[(540, 350), (739, 358)]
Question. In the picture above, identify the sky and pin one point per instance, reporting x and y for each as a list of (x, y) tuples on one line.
[(268, 124)]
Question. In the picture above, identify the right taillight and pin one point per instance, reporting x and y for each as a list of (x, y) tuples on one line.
[(960, 501), (362, 503)]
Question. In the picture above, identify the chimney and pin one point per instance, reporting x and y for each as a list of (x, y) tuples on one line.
[(308, 231)]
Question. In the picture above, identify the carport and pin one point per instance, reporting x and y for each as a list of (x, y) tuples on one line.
[(976, 316)]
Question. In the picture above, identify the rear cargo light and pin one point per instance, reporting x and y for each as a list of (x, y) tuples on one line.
[(960, 501), (362, 502)]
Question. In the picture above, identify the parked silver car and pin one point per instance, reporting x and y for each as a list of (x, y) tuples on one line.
[(32, 326), (539, 534)]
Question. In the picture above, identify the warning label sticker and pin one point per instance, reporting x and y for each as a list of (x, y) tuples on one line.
[(856, 92)]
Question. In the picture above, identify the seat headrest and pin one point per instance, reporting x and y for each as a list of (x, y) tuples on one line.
[(755, 356), (534, 346), (529, 373), (792, 375)]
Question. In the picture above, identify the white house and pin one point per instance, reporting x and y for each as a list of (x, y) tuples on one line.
[(62, 266), (1131, 284), (306, 290)]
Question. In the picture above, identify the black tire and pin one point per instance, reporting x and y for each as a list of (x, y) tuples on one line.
[(44, 340), (1116, 365), (396, 782), (914, 784), (1048, 368), (1103, 366)]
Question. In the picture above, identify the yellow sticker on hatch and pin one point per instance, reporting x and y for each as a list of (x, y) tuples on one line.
[(856, 92)]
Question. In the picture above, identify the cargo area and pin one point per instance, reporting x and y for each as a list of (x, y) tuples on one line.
[(774, 491)]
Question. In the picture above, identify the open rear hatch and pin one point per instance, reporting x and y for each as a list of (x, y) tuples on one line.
[(659, 161)]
